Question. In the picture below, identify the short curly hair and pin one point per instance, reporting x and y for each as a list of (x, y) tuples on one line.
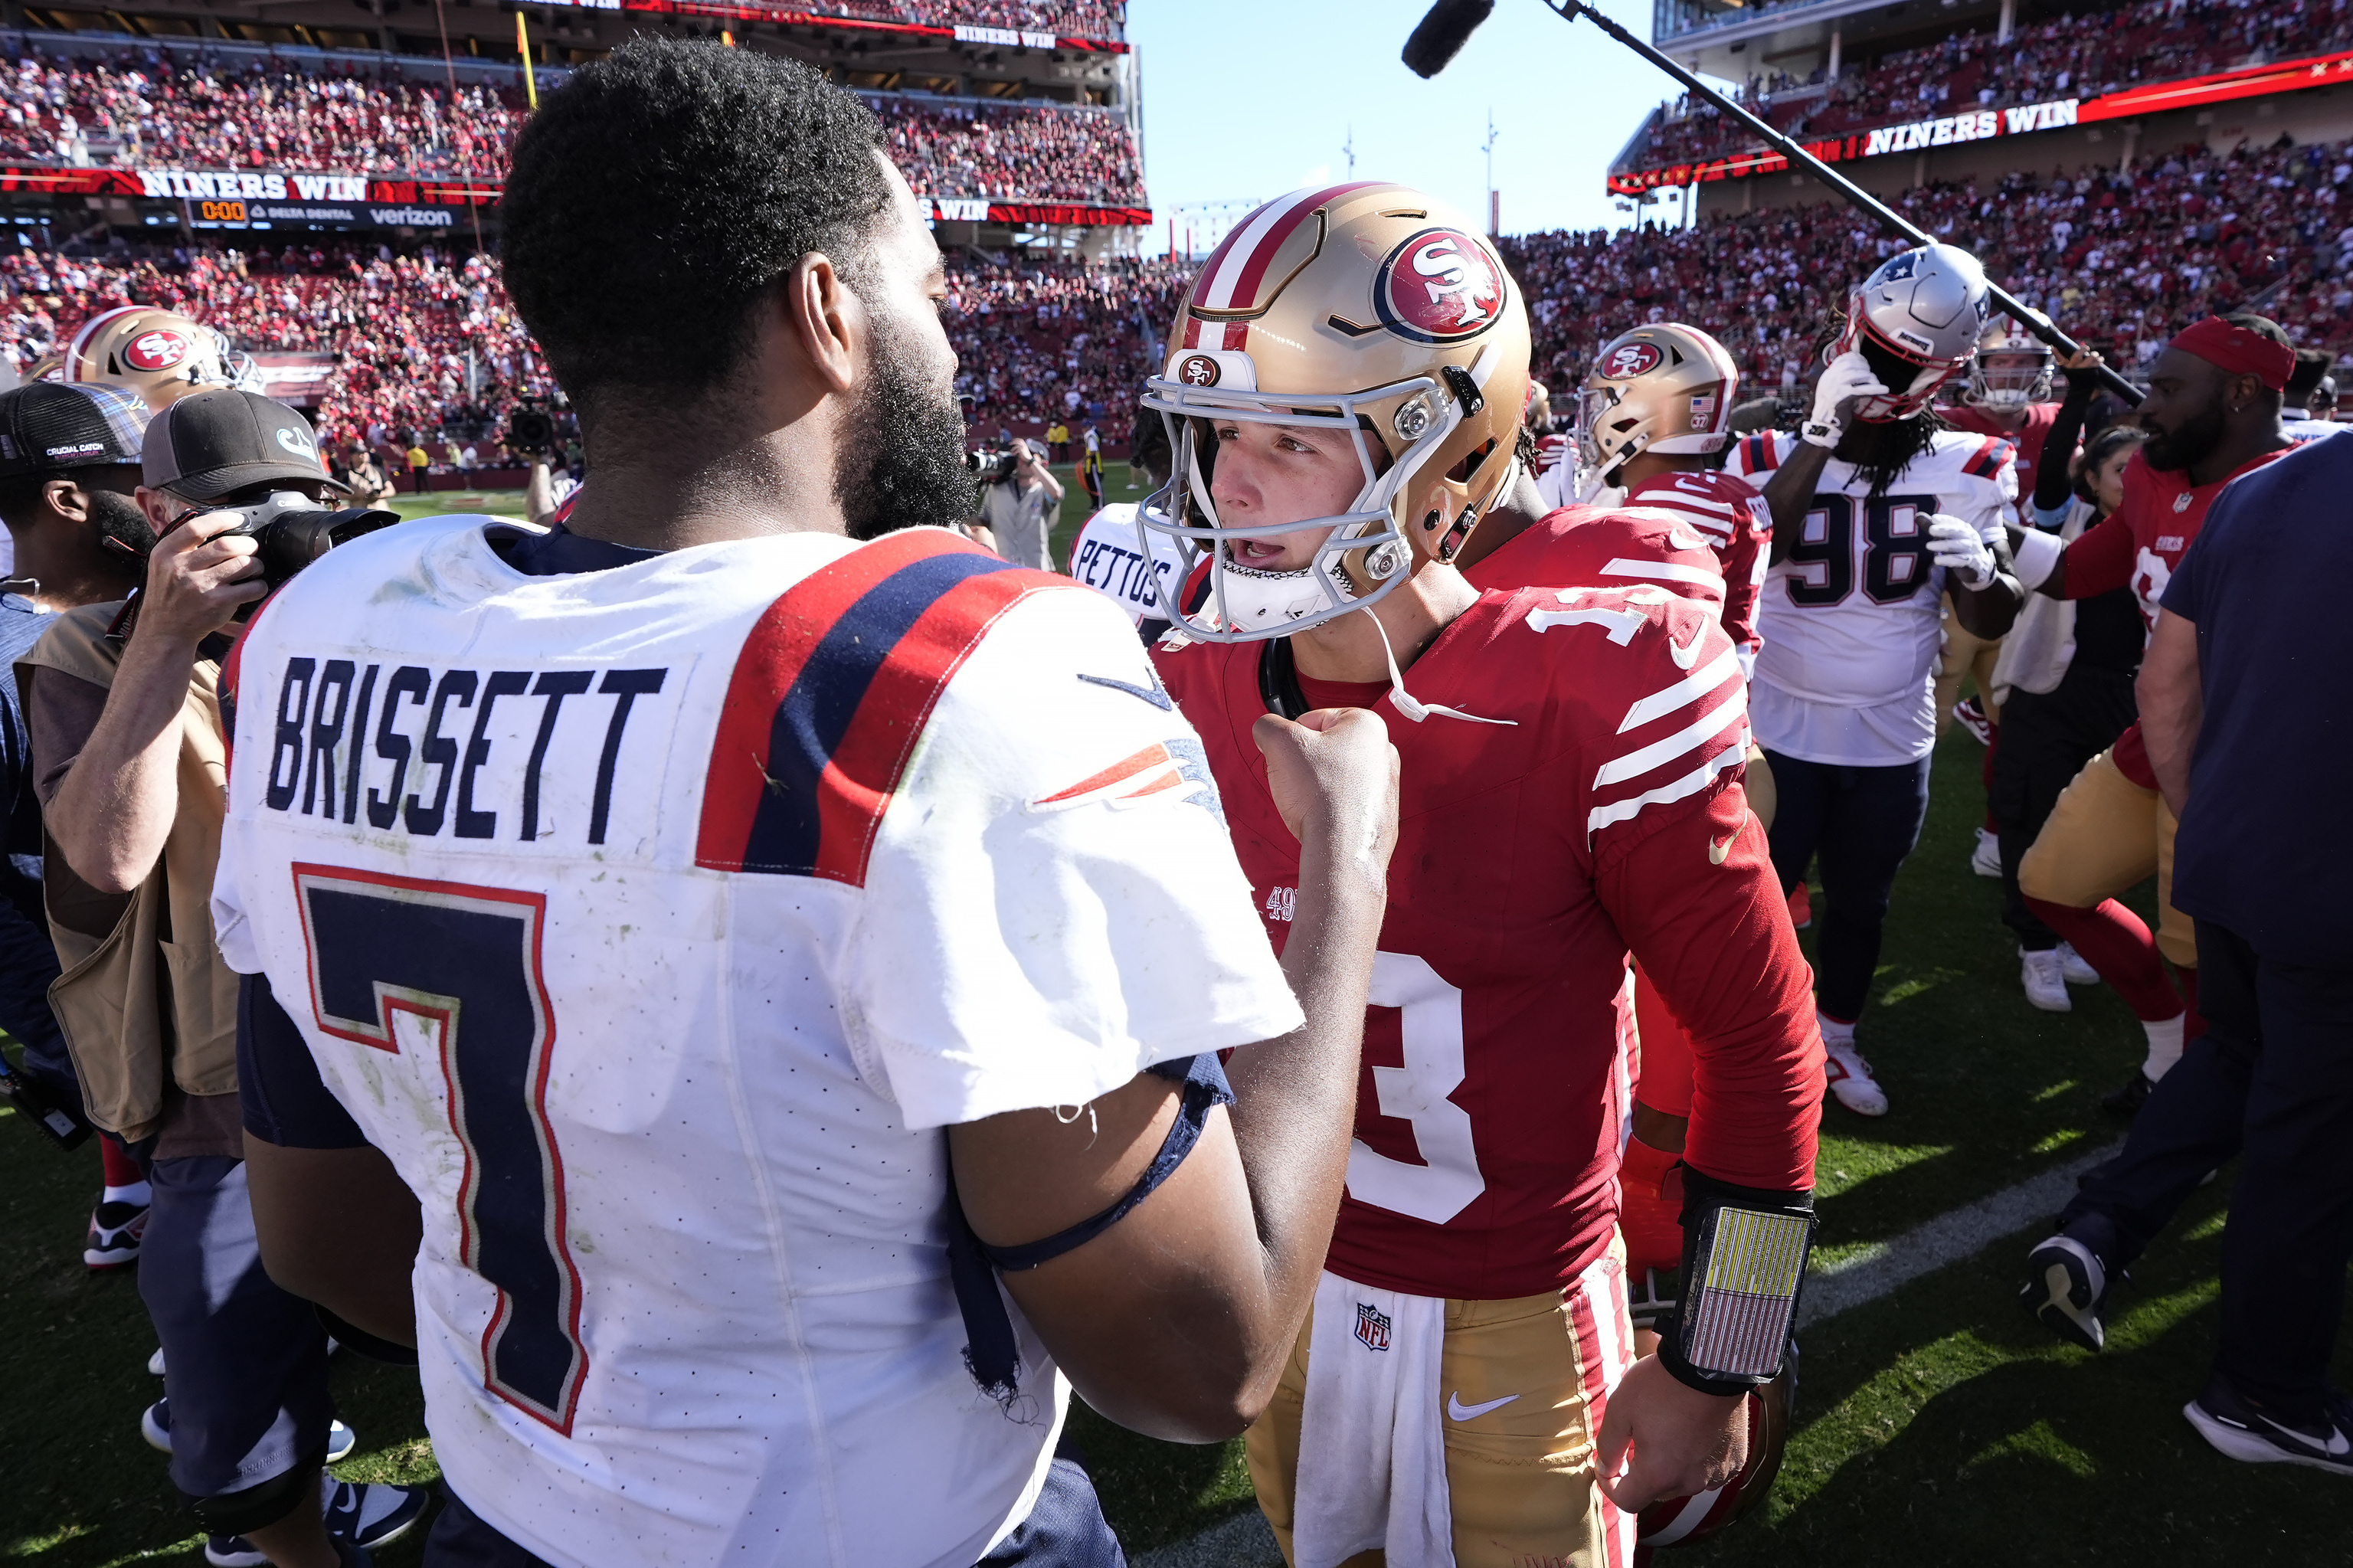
[(660, 191)]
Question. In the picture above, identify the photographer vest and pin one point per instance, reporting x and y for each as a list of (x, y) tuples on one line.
[(144, 1001)]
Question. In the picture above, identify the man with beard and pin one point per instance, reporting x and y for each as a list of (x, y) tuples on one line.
[(2213, 413), (1877, 511), (735, 860)]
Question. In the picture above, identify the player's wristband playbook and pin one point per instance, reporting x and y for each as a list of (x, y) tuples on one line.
[(991, 1353), (1744, 1250)]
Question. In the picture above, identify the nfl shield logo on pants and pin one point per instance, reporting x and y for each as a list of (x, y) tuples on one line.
[(1372, 1327)]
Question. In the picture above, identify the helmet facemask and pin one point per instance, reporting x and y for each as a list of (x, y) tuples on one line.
[(1364, 554), (1912, 383)]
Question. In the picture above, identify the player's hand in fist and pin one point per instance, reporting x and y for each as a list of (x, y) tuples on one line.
[(1681, 1441), (1959, 548), (1843, 379), (1333, 772)]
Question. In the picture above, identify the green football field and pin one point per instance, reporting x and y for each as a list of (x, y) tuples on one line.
[(1936, 1426)]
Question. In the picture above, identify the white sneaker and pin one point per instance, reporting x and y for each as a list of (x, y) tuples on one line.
[(2045, 979), (2071, 965), (1986, 859), (156, 1363), (1850, 1080)]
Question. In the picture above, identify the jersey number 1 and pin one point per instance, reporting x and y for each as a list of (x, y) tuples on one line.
[(399, 964)]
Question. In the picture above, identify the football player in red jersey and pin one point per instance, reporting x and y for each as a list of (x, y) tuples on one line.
[(2213, 413), (1344, 394)]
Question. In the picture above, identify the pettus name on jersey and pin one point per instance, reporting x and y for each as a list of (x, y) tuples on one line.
[(423, 750)]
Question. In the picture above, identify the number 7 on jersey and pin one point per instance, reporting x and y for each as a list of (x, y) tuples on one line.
[(403, 965)]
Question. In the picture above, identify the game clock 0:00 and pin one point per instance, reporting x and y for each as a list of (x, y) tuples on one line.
[(221, 211)]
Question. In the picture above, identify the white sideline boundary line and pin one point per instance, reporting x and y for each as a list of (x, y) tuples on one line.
[(1246, 1541)]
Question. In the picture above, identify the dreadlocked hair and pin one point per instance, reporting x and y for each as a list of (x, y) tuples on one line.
[(1879, 450)]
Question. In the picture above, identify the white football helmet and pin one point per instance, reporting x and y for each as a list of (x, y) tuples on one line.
[(2012, 370), (1917, 320), (1368, 308)]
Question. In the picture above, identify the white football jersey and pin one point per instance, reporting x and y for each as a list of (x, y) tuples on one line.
[(1852, 617), (654, 922), (1110, 556)]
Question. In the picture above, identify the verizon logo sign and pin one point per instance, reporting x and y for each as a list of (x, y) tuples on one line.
[(1985, 122), (225, 185)]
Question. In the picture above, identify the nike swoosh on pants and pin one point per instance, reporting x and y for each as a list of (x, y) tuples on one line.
[(1458, 1411)]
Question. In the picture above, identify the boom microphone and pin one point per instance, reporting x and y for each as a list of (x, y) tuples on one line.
[(2003, 299), (1443, 34)]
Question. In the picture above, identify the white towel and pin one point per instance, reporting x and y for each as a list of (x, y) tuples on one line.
[(1372, 1451)]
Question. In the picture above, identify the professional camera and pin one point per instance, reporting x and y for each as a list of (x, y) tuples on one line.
[(289, 530), (531, 428), (993, 468)]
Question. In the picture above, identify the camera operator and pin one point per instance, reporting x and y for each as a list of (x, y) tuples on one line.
[(531, 435), (1015, 504), (131, 760), (365, 478)]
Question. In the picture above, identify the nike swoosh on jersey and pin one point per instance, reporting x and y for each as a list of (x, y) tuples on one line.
[(1458, 1411), (1155, 693), (1717, 851), (1683, 652)]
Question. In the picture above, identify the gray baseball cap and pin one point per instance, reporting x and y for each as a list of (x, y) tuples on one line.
[(209, 444)]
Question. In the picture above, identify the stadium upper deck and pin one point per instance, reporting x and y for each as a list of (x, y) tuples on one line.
[(1910, 92), (1019, 122)]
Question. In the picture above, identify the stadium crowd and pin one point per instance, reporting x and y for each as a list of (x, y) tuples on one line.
[(1064, 18), (2070, 55), (2124, 255), (1014, 153), (1037, 341)]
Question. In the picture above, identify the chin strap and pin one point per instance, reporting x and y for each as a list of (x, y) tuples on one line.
[(1406, 702)]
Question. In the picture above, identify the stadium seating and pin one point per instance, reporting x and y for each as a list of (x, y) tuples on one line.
[(1066, 18), (134, 112), (2069, 56), (1030, 338), (2124, 261)]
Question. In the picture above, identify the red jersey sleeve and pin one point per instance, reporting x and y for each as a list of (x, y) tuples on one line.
[(2102, 559), (1713, 937)]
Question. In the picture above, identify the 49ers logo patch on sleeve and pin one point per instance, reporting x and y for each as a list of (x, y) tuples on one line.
[(1440, 286), (157, 350)]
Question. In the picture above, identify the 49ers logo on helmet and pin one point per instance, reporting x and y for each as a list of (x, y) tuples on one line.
[(1198, 370), (1441, 286), (1633, 359), (157, 350)]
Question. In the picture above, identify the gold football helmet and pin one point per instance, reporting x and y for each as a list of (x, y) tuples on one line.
[(1368, 308), (1666, 387), (2011, 371), (160, 355)]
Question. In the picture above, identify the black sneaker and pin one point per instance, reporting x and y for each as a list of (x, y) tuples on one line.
[(112, 1241), (2067, 1290), (369, 1515), (2242, 1432), (2127, 1102)]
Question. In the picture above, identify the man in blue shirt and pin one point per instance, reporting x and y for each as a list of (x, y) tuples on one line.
[(2240, 706)]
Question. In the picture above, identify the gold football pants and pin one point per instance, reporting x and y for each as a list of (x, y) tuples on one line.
[(2107, 834)]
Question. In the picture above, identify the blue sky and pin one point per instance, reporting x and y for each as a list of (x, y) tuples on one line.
[(1248, 99)]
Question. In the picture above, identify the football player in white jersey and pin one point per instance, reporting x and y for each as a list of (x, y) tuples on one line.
[(672, 895), (1124, 561), (1877, 511)]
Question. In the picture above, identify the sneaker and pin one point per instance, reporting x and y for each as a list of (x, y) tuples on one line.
[(1801, 908), (2239, 1430), (2067, 1290), (1850, 1080), (1986, 859), (1971, 715), (155, 1426), (370, 1515), (2127, 1102), (2044, 979), (156, 1363), (114, 1232), (2071, 965)]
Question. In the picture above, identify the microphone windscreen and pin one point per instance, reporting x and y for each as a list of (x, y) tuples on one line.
[(1443, 34)]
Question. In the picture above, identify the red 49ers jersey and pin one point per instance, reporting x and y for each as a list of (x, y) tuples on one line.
[(2146, 536), (1589, 546), (1730, 513), (1530, 856), (2028, 439)]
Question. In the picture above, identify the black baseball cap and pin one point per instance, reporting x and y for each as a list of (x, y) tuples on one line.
[(211, 443), (49, 426)]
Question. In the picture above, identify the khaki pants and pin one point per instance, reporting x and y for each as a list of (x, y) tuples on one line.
[(1965, 653), (1520, 1478), (2105, 834)]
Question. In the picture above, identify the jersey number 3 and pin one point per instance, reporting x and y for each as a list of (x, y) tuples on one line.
[(1449, 1178), (1896, 560), (454, 970)]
